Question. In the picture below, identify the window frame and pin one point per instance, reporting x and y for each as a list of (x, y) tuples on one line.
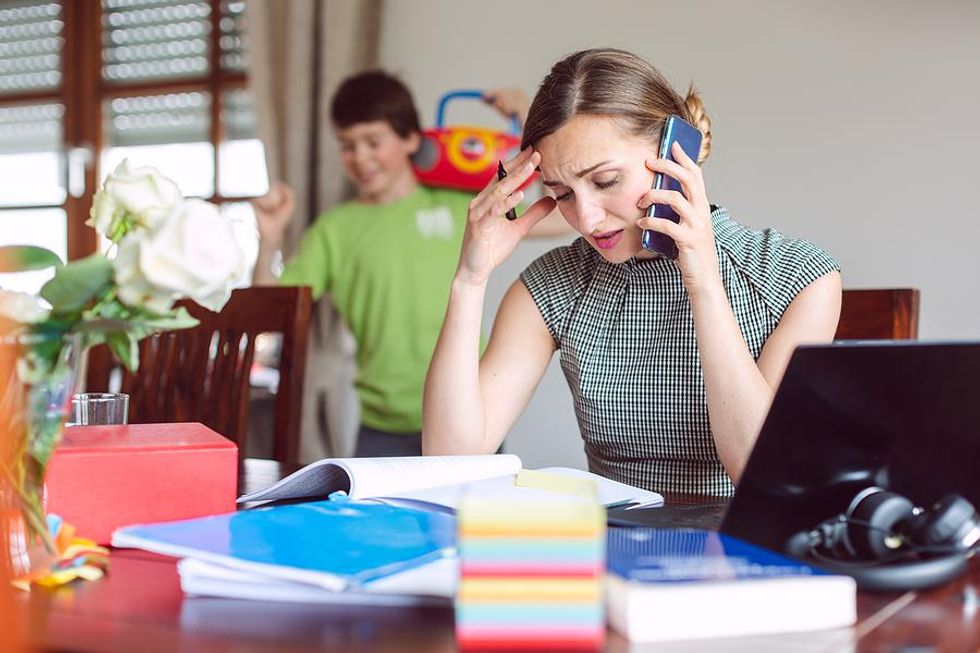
[(83, 93)]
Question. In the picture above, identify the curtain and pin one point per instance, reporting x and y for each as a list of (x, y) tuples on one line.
[(299, 51)]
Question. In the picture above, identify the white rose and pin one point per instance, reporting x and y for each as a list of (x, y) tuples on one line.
[(193, 253), (22, 307), (142, 196), (133, 288)]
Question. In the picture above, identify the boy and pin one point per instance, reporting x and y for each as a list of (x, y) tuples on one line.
[(387, 257)]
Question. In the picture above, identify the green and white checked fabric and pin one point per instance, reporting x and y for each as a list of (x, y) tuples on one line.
[(626, 342)]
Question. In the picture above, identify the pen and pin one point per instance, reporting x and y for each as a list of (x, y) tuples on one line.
[(501, 173)]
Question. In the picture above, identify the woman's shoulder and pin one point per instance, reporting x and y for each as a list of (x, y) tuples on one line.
[(768, 250), (767, 263), (556, 280)]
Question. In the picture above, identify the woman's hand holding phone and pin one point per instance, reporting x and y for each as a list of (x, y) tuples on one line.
[(490, 237), (693, 234)]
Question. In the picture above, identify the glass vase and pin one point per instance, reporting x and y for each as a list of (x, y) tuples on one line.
[(38, 375)]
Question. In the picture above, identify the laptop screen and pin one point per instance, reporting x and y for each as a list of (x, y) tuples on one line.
[(904, 416)]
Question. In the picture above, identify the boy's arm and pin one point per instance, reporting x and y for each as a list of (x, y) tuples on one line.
[(273, 211)]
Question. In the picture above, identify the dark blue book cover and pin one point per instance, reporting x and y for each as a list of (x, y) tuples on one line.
[(669, 584), (680, 555), (333, 544)]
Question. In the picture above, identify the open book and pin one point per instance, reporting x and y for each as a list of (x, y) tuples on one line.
[(429, 481)]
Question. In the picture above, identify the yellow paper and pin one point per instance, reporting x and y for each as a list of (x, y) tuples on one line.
[(580, 487)]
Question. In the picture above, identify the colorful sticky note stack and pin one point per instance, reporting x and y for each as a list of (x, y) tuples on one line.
[(532, 559)]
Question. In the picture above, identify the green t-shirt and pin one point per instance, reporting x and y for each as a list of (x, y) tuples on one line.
[(388, 269)]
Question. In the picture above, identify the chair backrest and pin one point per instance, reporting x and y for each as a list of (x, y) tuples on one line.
[(879, 314), (202, 374)]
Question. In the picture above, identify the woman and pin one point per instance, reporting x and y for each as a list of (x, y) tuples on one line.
[(672, 363)]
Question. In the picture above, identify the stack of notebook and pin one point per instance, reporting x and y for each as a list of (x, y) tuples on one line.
[(532, 562)]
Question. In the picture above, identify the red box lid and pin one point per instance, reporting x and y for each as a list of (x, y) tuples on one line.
[(141, 437)]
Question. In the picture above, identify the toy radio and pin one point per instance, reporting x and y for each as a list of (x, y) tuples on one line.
[(462, 157)]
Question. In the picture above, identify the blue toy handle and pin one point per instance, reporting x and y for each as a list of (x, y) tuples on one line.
[(515, 124)]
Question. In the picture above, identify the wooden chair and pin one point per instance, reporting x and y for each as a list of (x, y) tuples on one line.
[(879, 314), (202, 374)]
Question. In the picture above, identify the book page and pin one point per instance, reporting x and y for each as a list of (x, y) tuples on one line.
[(450, 496), (612, 493), (318, 479), (364, 478), (391, 477)]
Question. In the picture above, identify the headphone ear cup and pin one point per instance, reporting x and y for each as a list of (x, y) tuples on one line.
[(872, 524), (947, 524)]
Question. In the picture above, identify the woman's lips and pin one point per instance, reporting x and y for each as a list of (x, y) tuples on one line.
[(607, 240)]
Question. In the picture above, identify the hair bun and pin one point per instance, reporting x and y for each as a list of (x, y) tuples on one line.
[(698, 117)]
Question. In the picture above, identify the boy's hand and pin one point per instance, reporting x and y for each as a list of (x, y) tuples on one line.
[(273, 211), (510, 102)]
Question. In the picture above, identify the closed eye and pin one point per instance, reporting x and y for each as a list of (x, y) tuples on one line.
[(601, 185)]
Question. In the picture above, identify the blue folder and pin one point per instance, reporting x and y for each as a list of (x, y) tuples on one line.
[(334, 544)]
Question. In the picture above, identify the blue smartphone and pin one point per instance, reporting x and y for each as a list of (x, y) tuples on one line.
[(676, 129)]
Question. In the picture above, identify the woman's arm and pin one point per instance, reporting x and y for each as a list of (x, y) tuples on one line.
[(738, 389), (466, 408), (471, 403)]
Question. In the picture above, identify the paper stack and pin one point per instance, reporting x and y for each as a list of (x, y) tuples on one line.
[(532, 560)]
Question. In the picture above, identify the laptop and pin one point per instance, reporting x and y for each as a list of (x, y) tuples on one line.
[(901, 415)]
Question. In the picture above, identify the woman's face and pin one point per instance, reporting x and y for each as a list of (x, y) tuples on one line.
[(598, 175)]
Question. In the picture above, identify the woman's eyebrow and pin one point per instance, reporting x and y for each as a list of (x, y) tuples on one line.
[(579, 174)]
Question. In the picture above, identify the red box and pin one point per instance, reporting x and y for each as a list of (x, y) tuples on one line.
[(104, 477)]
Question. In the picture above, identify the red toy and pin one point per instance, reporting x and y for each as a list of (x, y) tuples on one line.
[(463, 157)]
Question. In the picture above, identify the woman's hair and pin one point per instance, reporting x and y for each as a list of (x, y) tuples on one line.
[(616, 84), (375, 95)]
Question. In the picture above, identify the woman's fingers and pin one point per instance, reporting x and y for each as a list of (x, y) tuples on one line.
[(664, 226), (673, 198), (519, 170), (685, 171)]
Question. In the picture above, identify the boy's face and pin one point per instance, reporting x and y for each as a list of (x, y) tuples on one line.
[(376, 160)]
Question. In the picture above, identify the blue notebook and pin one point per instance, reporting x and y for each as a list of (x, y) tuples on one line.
[(666, 584), (338, 545)]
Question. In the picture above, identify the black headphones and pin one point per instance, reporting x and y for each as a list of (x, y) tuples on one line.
[(888, 544)]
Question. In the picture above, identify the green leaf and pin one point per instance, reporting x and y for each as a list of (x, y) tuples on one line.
[(76, 284), (179, 318), (20, 258), (125, 347)]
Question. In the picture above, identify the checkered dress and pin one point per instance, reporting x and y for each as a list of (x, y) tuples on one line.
[(626, 342)]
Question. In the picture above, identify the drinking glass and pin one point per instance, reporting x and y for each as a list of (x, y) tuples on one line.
[(91, 408)]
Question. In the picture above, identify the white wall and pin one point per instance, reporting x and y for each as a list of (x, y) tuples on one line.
[(853, 124)]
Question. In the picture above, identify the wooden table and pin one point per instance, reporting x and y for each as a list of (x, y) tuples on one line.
[(139, 608)]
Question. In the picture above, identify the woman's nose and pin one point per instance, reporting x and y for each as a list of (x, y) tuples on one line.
[(590, 216)]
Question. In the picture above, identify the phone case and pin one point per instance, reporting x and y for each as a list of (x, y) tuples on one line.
[(679, 130)]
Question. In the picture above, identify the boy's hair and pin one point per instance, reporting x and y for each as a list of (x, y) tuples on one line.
[(375, 95)]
